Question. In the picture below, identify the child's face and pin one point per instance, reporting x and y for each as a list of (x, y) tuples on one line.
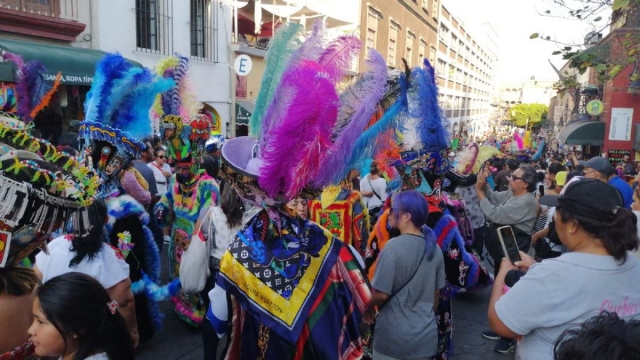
[(45, 337)]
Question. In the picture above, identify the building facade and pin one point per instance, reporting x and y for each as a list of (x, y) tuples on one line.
[(466, 68), (144, 31), (401, 29)]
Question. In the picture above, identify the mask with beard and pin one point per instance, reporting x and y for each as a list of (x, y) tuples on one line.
[(183, 179)]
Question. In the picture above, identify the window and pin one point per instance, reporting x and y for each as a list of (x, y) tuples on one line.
[(422, 51), (201, 29), (393, 43), (411, 37), (444, 35), (153, 26), (432, 55), (454, 42), (452, 72), (461, 47), (372, 27), (441, 68)]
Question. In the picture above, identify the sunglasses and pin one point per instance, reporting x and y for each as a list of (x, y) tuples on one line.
[(514, 178), (160, 156)]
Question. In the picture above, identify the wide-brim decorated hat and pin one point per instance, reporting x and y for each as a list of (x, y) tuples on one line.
[(42, 190)]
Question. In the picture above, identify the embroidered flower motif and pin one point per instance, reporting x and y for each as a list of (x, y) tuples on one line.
[(113, 306)]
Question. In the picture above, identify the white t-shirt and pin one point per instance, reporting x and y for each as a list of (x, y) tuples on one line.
[(564, 292), (107, 266), (162, 182), (379, 186)]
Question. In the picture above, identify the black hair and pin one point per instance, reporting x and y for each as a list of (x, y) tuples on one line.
[(540, 175), (543, 165), (211, 166), (605, 336), (513, 164), (617, 232), (499, 164), (90, 244), (76, 304), (157, 150), (555, 168), (232, 206)]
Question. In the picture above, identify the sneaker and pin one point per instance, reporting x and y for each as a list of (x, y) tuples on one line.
[(490, 335), (505, 346)]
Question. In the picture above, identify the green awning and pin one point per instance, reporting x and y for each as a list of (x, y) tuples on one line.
[(583, 133), (244, 109), (77, 65)]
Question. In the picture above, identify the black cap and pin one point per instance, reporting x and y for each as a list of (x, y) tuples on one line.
[(589, 198)]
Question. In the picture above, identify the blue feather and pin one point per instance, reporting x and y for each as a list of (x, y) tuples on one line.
[(108, 70), (121, 88), (423, 107), (393, 118)]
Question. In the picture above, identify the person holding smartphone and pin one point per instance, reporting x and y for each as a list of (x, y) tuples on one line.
[(516, 207), (598, 273)]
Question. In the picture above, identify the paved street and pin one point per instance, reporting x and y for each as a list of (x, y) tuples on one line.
[(178, 341)]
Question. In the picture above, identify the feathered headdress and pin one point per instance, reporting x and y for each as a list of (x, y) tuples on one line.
[(182, 127), (33, 92), (307, 126), (117, 113)]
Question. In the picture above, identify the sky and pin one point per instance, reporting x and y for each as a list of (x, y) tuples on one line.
[(520, 57)]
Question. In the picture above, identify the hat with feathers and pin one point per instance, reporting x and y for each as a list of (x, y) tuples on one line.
[(42, 189)]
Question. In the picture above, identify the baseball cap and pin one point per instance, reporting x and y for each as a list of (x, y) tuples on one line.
[(561, 178), (600, 165), (589, 198)]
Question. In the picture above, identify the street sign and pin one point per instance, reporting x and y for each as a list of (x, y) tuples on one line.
[(595, 107), (243, 65)]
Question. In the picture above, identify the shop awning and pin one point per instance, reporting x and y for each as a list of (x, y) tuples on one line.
[(583, 133), (244, 109), (77, 65)]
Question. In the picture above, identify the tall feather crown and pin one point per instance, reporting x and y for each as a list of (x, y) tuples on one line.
[(303, 125), (184, 131)]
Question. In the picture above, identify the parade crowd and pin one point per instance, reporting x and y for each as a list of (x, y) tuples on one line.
[(341, 228)]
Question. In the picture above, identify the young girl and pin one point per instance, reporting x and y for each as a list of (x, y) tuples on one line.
[(75, 319)]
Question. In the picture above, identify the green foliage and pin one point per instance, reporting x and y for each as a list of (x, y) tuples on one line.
[(534, 113)]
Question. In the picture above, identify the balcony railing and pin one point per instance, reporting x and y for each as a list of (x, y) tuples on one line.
[(63, 9)]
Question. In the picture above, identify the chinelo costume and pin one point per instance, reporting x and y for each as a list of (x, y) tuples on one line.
[(191, 191), (42, 190), (117, 119), (421, 161), (296, 291)]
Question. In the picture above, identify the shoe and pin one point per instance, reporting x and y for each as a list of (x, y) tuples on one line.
[(490, 335), (505, 346)]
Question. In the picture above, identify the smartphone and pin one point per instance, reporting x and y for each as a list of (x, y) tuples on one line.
[(509, 244), (541, 190)]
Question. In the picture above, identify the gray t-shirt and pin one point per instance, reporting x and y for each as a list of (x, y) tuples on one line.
[(505, 209), (406, 326), (562, 293)]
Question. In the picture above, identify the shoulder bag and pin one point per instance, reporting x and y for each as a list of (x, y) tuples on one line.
[(194, 267)]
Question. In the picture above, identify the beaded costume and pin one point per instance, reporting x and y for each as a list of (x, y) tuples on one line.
[(184, 133)]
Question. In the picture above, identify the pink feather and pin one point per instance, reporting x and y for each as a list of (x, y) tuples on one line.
[(339, 55), (518, 140), (303, 111)]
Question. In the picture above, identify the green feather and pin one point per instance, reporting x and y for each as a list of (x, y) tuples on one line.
[(285, 42)]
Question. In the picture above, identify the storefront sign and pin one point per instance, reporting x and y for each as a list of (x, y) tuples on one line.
[(616, 156), (595, 107), (620, 127)]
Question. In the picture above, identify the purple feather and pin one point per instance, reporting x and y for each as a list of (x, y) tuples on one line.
[(16, 59), (359, 102), (339, 56), (304, 108), (312, 48)]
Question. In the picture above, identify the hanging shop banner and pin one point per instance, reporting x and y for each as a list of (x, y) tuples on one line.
[(616, 156), (620, 127)]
